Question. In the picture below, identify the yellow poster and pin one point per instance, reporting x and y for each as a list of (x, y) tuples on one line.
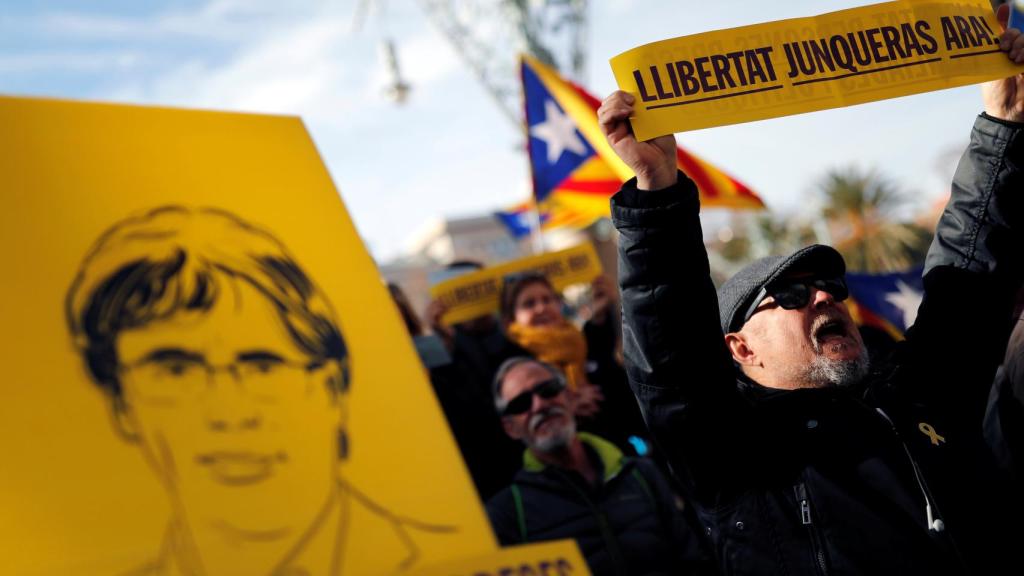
[(561, 558), (806, 64), (479, 293), (203, 373)]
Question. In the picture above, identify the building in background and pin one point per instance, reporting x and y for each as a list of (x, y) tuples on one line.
[(480, 238)]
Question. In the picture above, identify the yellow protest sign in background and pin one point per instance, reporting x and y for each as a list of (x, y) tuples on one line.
[(478, 293), (203, 373), (806, 64), (561, 558)]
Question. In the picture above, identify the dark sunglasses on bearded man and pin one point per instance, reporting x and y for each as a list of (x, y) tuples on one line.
[(521, 403), (793, 293)]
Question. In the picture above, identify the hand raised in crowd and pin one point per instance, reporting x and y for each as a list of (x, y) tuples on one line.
[(654, 161), (603, 298), (588, 400), (435, 312), (1004, 99)]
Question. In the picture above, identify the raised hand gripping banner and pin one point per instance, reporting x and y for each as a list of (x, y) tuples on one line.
[(806, 64), (202, 372), (478, 293), (574, 169)]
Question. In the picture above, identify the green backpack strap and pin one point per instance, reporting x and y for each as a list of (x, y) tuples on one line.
[(517, 497)]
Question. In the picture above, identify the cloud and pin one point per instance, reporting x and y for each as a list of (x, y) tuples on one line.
[(620, 9), (447, 150), (218, 20), (313, 66), (69, 61), (287, 72)]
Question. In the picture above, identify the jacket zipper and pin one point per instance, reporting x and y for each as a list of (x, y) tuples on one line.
[(807, 520)]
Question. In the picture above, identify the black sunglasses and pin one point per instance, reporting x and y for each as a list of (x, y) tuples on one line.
[(796, 293), (522, 402)]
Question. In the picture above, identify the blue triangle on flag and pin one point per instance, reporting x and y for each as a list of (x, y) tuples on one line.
[(519, 223), (894, 296), (555, 152)]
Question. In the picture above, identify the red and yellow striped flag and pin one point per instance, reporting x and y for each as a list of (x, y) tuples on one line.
[(574, 169)]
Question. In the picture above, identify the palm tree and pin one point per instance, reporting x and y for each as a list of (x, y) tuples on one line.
[(859, 207), (755, 235)]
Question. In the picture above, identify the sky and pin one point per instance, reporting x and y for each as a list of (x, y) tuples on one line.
[(448, 151)]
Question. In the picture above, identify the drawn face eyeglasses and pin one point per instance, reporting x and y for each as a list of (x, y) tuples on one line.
[(175, 375)]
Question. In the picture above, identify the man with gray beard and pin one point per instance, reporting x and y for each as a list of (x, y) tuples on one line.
[(774, 343), (798, 459), (620, 510)]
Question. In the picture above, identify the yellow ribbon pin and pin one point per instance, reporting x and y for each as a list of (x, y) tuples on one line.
[(930, 432)]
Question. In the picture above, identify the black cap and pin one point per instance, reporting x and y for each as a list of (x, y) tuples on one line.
[(736, 295)]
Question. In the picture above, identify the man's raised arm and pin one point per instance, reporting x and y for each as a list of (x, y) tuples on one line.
[(975, 264), (676, 359)]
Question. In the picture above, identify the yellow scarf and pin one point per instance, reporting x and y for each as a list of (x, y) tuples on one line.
[(561, 345)]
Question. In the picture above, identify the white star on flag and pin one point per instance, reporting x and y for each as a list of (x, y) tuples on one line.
[(558, 131), (907, 300)]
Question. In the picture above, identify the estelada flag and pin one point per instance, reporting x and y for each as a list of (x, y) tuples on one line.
[(886, 301), (520, 220), (574, 169)]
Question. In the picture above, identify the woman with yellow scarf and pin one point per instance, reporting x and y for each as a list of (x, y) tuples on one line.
[(531, 313)]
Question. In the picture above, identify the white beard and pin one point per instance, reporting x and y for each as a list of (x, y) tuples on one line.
[(824, 372), (557, 438)]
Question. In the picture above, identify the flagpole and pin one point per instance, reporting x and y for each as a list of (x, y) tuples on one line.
[(538, 233)]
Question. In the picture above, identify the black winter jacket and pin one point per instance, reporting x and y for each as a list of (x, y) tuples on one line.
[(630, 525), (890, 478)]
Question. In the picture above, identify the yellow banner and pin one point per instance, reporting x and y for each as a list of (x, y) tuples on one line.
[(561, 558), (478, 293), (806, 64), (202, 372)]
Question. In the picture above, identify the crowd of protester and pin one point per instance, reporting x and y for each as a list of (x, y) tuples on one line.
[(555, 458), (747, 429), (551, 433)]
